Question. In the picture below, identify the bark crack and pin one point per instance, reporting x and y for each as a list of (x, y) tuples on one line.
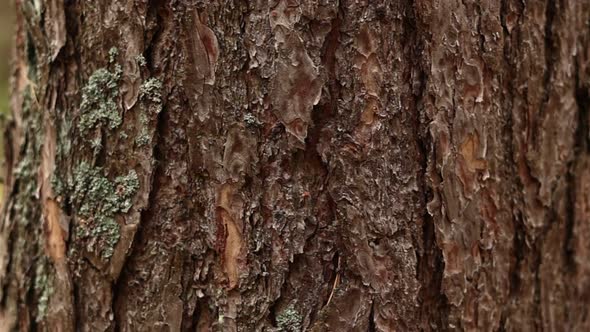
[(145, 215), (157, 173), (581, 149), (551, 53), (372, 327), (519, 237), (430, 264)]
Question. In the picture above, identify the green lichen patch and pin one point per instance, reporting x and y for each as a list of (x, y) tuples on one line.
[(26, 170), (151, 90), (64, 140), (96, 144), (108, 232), (25, 202), (141, 60), (150, 93), (99, 101), (98, 200), (100, 197), (144, 138), (251, 120), (58, 186), (44, 289), (289, 319), (113, 53)]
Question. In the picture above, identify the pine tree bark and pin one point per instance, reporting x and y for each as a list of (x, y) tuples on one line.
[(298, 166)]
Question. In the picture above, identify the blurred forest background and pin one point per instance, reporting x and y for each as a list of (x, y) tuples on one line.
[(6, 36)]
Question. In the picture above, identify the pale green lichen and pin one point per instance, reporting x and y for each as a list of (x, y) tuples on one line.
[(151, 90), (99, 200), (44, 289), (251, 120), (141, 60), (98, 196), (113, 53), (143, 119), (63, 154), (25, 207), (26, 170), (38, 7), (108, 230), (96, 144), (289, 319), (64, 140), (143, 138), (99, 101), (57, 184)]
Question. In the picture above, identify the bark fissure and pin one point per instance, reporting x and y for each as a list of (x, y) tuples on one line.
[(582, 149), (371, 324), (430, 263), (582, 133), (145, 217), (551, 54), (519, 245)]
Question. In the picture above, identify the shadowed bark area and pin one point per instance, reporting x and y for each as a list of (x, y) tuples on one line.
[(298, 166)]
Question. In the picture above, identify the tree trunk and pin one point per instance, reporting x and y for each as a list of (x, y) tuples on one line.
[(298, 166)]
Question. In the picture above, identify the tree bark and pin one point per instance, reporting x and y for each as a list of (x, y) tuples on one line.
[(298, 166)]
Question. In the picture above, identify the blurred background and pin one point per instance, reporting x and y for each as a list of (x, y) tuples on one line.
[(6, 36), (6, 20)]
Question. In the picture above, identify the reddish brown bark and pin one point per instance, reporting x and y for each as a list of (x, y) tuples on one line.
[(298, 165)]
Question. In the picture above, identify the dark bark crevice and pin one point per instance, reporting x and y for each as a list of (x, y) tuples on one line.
[(581, 149), (551, 57), (334, 278), (430, 262), (120, 284), (279, 303), (482, 38), (145, 217), (582, 133), (537, 302), (9, 265), (519, 245), (193, 323), (371, 324), (520, 251)]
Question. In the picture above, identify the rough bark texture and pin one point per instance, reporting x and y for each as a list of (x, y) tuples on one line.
[(298, 165)]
